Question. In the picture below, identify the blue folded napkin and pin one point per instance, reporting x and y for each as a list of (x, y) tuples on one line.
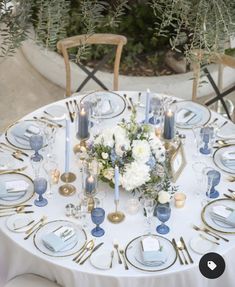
[(56, 242), (5, 194), (153, 258), (228, 159), (24, 130), (224, 214), (194, 117), (151, 253)]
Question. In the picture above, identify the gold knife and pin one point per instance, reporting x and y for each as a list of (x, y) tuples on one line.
[(177, 251), (186, 249)]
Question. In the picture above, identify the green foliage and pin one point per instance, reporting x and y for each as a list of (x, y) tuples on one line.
[(14, 24), (196, 24), (51, 20)]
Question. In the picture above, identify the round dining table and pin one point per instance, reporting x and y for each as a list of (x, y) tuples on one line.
[(20, 256)]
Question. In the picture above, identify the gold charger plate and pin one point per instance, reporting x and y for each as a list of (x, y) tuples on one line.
[(133, 247), (11, 139), (71, 249), (217, 158), (117, 101), (209, 222), (11, 176), (206, 113)]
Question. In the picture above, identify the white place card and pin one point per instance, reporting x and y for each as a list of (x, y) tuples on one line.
[(31, 130), (150, 244), (16, 185), (221, 210)]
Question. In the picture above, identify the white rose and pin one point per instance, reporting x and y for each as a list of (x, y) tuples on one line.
[(108, 173), (104, 155), (163, 197), (141, 150), (135, 175)]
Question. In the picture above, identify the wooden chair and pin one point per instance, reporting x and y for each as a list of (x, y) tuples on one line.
[(222, 60), (104, 39), (30, 280)]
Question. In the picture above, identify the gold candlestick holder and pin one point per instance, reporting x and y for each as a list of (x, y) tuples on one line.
[(116, 216), (68, 177), (67, 189)]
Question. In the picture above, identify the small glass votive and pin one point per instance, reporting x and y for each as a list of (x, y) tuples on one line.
[(132, 206), (179, 198)]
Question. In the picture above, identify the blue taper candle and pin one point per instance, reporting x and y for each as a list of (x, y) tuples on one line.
[(169, 125), (67, 145), (116, 182), (83, 124), (147, 106)]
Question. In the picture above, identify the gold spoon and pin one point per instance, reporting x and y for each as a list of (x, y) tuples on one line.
[(82, 250), (89, 247), (181, 248), (38, 222)]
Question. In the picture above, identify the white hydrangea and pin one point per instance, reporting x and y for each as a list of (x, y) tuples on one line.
[(122, 142), (141, 150), (135, 175)]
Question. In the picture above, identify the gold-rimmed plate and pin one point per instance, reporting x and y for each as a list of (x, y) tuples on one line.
[(18, 197), (133, 250), (222, 162), (15, 133), (189, 114), (214, 224), (109, 103), (70, 249)]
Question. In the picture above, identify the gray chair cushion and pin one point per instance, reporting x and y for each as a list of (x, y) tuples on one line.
[(30, 280)]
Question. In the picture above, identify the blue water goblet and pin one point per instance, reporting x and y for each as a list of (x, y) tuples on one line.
[(207, 136), (213, 179), (97, 217), (36, 143), (163, 214), (40, 187)]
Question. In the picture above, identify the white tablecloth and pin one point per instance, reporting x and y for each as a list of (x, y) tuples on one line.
[(18, 256)]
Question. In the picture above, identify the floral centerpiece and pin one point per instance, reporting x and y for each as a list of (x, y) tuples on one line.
[(138, 152)]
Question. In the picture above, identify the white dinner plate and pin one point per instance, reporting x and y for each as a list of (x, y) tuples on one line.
[(19, 222), (198, 115), (56, 112), (101, 259), (21, 196), (201, 246), (50, 227), (133, 250), (113, 104), (15, 133), (214, 224), (218, 158)]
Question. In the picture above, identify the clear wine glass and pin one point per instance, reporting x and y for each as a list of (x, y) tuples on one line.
[(53, 174), (157, 107), (40, 187), (163, 214), (149, 205), (50, 134), (97, 217)]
